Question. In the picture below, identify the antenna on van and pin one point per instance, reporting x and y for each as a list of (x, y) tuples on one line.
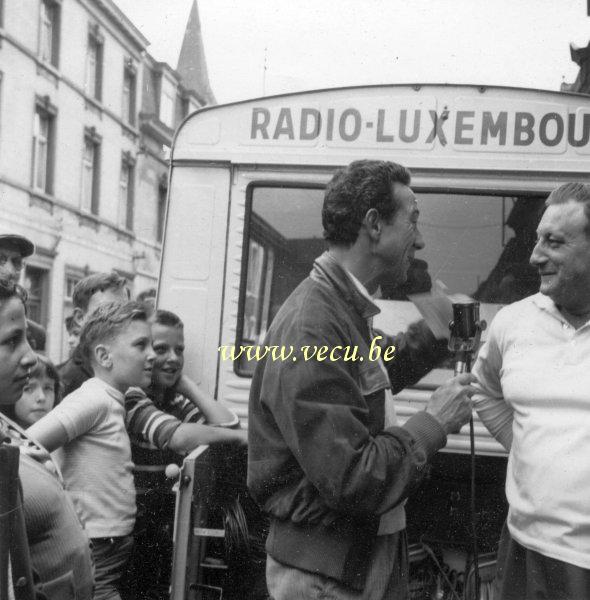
[(264, 70)]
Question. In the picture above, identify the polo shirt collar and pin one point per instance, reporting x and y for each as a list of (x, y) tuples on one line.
[(547, 305)]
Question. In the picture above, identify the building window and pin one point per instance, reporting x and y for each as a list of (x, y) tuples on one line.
[(36, 284), (49, 32), (43, 145), (161, 216), (128, 105), (90, 172), (167, 103), (71, 281), (94, 56), (126, 181)]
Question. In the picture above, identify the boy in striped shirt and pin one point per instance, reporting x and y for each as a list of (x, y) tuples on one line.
[(173, 418)]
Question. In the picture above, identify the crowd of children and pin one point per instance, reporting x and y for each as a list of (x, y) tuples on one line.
[(120, 398)]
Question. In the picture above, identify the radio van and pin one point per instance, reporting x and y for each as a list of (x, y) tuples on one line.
[(243, 228)]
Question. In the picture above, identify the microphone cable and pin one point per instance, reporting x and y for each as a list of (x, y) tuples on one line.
[(475, 548), (466, 329)]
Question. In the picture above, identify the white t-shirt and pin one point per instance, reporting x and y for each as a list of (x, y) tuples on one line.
[(96, 461)]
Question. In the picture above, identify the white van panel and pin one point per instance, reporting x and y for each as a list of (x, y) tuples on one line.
[(192, 267), (421, 126)]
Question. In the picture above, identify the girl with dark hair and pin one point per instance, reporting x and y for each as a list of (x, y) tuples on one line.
[(40, 395)]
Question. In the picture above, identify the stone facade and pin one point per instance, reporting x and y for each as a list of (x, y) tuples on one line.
[(87, 118)]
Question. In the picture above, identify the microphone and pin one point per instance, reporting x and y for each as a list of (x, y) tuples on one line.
[(466, 328)]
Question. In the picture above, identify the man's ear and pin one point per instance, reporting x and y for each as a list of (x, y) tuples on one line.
[(79, 316), (102, 355), (372, 222)]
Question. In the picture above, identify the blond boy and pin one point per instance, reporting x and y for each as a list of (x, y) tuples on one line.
[(90, 425)]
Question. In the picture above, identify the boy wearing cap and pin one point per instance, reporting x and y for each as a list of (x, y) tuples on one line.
[(13, 249)]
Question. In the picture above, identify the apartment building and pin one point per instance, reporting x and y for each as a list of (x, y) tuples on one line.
[(86, 121)]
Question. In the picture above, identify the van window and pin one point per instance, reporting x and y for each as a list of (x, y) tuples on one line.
[(477, 244)]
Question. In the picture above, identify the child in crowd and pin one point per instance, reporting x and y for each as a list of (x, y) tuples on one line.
[(180, 398), (189, 413), (90, 424), (40, 395), (172, 390), (73, 330), (58, 546), (88, 294)]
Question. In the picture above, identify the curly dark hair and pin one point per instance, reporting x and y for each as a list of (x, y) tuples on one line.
[(355, 189)]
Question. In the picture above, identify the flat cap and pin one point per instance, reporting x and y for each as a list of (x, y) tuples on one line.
[(17, 242)]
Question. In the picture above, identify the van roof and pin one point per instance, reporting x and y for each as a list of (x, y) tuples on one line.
[(426, 126)]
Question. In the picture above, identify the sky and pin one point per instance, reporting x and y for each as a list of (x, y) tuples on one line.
[(264, 47)]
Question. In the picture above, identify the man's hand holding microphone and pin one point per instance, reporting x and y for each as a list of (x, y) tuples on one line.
[(451, 403)]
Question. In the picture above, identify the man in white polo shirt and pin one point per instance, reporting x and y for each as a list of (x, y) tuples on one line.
[(534, 376)]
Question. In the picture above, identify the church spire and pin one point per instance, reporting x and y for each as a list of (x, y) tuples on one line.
[(192, 65)]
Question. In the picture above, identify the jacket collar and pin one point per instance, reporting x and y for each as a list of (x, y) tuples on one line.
[(328, 272)]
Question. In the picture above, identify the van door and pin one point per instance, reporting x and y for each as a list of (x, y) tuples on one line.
[(194, 261)]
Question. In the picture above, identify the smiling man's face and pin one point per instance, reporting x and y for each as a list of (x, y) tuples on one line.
[(562, 256)]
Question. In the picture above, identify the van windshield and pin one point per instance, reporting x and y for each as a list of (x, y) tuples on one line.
[(477, 244)]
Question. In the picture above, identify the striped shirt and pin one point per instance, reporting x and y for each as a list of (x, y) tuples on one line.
[(151, 428), (156, 425)]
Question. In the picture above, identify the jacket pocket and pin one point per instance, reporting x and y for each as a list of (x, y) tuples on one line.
[(372, 378), (372, 383)]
